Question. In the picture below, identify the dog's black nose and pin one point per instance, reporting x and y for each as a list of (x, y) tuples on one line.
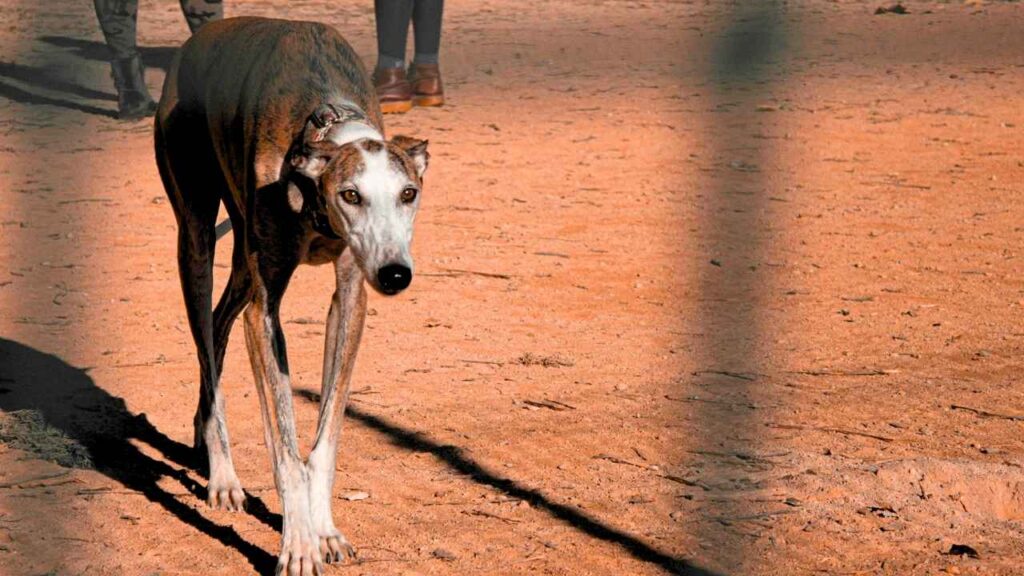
[(394, 278)]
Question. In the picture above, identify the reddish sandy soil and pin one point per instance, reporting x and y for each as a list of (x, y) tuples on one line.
[(773, 260)]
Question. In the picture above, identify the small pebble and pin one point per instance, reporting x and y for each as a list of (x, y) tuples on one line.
[(442, 554)]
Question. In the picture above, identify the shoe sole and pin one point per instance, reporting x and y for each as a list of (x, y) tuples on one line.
[(396, 107), (428, 101)]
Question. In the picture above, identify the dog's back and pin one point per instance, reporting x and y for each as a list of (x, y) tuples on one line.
[(256, 80)]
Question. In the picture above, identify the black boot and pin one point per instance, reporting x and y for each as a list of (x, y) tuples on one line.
[(133, 99)]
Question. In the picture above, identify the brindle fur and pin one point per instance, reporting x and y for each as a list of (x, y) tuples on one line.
[(235, 104)]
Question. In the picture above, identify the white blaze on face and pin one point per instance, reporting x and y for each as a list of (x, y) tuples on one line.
[(380, 227)]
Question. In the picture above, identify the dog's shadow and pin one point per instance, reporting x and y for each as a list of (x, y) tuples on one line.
[(100, 427), (457, 460), (36, 387)]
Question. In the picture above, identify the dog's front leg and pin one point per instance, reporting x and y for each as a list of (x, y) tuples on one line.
[(300, 547), (344, 328)]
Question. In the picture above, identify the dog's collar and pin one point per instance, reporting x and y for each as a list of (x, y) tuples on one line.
[(329, 115), (319, 219)]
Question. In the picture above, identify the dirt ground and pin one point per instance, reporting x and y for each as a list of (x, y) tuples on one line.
[(702, 288)]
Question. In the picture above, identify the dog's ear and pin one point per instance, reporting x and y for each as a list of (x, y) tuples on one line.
[(416, 149), (311, 158)]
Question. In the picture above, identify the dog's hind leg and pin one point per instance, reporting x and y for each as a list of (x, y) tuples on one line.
[(195, 185), (344, 329), (224, 488), (236, 294)]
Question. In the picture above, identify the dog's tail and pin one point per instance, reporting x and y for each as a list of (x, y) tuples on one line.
[(223, 228)]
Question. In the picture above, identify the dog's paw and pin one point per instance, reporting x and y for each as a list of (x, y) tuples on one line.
[(300, 553), (225, 492), (335, 547)]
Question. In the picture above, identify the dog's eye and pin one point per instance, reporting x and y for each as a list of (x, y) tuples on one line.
[(351, 196), (408, 195)]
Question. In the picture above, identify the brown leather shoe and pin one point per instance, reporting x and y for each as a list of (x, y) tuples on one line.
[(426, 85), (393, 90)]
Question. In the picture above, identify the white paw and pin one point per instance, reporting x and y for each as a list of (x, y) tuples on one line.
[(334, 547), (300, 552), (225, 492)]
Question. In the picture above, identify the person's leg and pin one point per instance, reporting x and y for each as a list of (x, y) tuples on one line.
[(392, 29), (426, 22), (393, 89), (200, 12), (117, 20), (425, 74)]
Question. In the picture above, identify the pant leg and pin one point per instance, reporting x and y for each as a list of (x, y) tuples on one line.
[(392, 30), (426, 22), (117, 20), (200, 12)]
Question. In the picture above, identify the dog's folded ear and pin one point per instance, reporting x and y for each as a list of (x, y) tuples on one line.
[(311, 159), (416, 149)]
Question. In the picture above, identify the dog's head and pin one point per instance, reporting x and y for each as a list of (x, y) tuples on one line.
[(368, 190)]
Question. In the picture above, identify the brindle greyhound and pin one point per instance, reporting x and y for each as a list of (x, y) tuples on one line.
[(279, 121)]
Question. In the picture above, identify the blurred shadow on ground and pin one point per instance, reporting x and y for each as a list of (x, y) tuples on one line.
[(48, 79), (152, 56), (102, 428), (731, 286), (18, 82), (16, 94)]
